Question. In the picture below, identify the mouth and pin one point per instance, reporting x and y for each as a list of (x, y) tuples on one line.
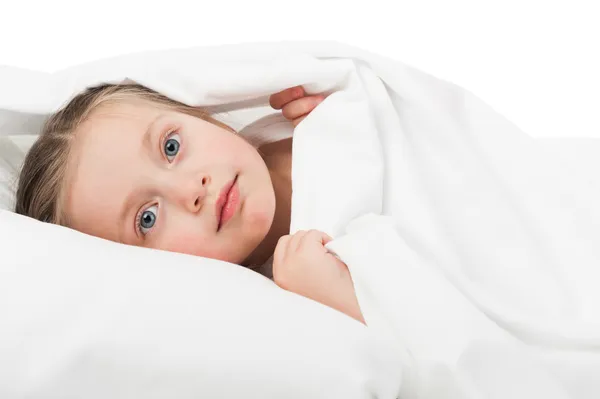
[(227, 202)]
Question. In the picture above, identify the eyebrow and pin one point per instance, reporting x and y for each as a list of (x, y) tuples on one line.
[(148, 136)]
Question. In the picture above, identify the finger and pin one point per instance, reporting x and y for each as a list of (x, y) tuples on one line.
[(342, 268), (278, 100), (297, 121), (326, 238), (296, 240), (314, 236), (281, 249), (301, 106)]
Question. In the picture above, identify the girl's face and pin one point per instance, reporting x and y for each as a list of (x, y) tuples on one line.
[(151, 177)]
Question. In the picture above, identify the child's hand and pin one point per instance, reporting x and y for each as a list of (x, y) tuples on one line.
[(302, 264), (295, 104)]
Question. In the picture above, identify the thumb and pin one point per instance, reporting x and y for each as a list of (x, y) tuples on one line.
[(326, 239)]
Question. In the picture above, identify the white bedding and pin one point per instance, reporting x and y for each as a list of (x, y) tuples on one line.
[(486, 265), (473, 247)]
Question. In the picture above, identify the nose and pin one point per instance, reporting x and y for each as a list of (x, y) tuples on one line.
[(189, 190)]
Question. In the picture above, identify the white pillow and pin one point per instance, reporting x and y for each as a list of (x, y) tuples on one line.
[(116, 321), (12, 154), (7, 173), (18, 131)]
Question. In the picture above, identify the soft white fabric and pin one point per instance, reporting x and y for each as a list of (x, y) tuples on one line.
[(82, 317), (474, 250), (485, 266)]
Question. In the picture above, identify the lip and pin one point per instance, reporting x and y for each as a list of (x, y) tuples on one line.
[(227, 202)]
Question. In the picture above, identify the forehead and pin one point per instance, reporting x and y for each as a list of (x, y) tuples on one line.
[(127, 119), (110, 132), (107, 155)]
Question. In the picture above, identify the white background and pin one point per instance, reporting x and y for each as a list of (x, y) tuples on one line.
[(534, 61)]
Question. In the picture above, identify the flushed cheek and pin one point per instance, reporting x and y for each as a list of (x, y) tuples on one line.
[(237, 153), (259, 213)]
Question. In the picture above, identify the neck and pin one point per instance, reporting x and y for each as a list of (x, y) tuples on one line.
[(277, 157)]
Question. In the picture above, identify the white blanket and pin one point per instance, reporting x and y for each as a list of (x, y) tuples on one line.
[(471, 246), (486, 266)]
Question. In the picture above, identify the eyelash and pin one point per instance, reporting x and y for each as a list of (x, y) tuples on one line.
[(165, 137), (138, 220), (138, 217)]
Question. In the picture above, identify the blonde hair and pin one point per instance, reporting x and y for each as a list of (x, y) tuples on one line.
[(41, 183)]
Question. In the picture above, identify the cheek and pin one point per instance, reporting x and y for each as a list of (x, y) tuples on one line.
[(234, 149), (191, 241)]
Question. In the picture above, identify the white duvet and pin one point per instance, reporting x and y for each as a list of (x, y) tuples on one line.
[(485, 265), (473, 247)]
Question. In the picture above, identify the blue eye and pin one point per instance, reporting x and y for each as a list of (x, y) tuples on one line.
[(147, 219), (171, 147)]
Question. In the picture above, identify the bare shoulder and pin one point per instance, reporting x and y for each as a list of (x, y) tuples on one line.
[(277, 148), (278, 154)]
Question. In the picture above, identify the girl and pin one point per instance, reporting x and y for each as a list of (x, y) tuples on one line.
[(127, 164)]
